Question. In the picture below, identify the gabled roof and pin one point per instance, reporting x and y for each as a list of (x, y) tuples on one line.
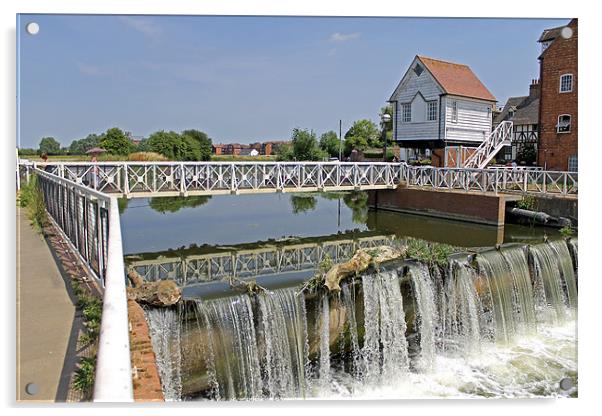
[(456, 79), (526, 110)]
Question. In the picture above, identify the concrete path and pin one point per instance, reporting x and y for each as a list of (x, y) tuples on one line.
[(45, 316)]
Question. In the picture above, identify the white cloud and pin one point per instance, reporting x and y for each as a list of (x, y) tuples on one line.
[(143, 25), (343, 37)]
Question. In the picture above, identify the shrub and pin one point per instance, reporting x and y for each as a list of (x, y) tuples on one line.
[(146, 157), (567, 231), (30, 196), (83, 380), (528, 202)]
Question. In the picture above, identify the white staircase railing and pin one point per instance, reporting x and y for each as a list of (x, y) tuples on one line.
[(498, 138)]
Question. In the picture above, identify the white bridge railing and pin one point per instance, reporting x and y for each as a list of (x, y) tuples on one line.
[(141, 179), (89, 221), (148, 179), (524, 181)]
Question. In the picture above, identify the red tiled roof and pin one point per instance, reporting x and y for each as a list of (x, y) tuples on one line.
[(457, 79)]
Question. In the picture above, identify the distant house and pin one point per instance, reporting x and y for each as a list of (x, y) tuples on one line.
[(441, 110), (524, 113), (558, 139), (248, 151)]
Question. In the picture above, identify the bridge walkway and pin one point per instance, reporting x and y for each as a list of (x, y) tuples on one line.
[(45, 317)]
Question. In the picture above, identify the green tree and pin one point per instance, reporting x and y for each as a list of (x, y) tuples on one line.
[(174, 146), (115, 142), (305, 145), (329, 142), (362, 135), (203, 141), (285, 152), (81, 146), (50, 146)]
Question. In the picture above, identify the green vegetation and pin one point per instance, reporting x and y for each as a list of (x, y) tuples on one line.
[(429, 252), (362, 135), (304, 147), (203, 141), (83, 381), (329, 142), (31, 197), (115, 142), (528, 202), (81, 146), (176, 146), (567, 231), (241, 158), (50, 146)]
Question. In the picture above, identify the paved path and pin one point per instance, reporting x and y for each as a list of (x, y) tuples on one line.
[(45, 315)]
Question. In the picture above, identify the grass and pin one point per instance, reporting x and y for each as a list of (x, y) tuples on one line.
[(30, 197), (528, 202), (429, 252), (566, 231)]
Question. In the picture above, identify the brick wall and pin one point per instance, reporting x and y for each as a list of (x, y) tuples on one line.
[(146, 380), (558, 59)]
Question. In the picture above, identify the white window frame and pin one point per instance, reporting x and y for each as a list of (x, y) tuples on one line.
[(431, 110), (454, 115), (574, 168), (406, 110), (560, 83), (558, 124)]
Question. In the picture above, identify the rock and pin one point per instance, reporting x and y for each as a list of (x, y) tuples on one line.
[(159, 293), (360, 261)]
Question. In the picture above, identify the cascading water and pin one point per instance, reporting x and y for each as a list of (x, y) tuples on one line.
[(462, 311), (554, 280), (385, 349), (427, 317), (388, 334), (165, 330)]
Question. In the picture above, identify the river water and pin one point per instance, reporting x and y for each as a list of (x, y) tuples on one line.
[(501, 324)]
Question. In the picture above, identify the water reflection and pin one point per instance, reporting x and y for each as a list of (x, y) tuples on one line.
[(158, 224)]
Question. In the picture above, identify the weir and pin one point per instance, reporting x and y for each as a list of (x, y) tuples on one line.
[(389, 327)]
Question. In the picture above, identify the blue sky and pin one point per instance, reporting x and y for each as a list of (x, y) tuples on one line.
[(244, 79)]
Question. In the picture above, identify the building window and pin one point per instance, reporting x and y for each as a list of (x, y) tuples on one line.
[(406, 113), (418, 70), (573, 163), (455, 112), (431, 110), (564, 124), (566, 83)]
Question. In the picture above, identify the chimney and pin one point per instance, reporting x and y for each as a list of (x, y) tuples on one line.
[(534, 88)]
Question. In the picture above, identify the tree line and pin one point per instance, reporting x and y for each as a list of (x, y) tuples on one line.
[(187, 145), (362, 136)]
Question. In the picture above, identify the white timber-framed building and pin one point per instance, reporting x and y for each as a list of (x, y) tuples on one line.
[(442, 111)]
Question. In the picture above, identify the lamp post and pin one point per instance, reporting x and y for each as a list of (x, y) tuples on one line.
[(385, 118)]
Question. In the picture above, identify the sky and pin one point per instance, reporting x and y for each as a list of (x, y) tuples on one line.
[(244, 79)]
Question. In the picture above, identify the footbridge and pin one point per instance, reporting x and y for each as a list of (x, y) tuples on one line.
[(151, 179)]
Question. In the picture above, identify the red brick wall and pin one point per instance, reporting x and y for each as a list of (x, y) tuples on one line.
[(483, 209), (146, 381), (560, 58)]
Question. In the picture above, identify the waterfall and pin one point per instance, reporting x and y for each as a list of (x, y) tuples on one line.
[(257, 346), (283, 329), (231, 342), (385, 350), (324, 325), (165, 328), (554, 281), (463, 311), (427, 318), (508, 282), (350, 309)]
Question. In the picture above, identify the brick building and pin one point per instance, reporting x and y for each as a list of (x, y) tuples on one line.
[(558, 102)]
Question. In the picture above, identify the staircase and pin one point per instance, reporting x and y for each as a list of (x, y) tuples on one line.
[(498, 138)]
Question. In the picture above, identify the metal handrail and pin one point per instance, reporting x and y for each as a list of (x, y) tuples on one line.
[(113, 377)]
